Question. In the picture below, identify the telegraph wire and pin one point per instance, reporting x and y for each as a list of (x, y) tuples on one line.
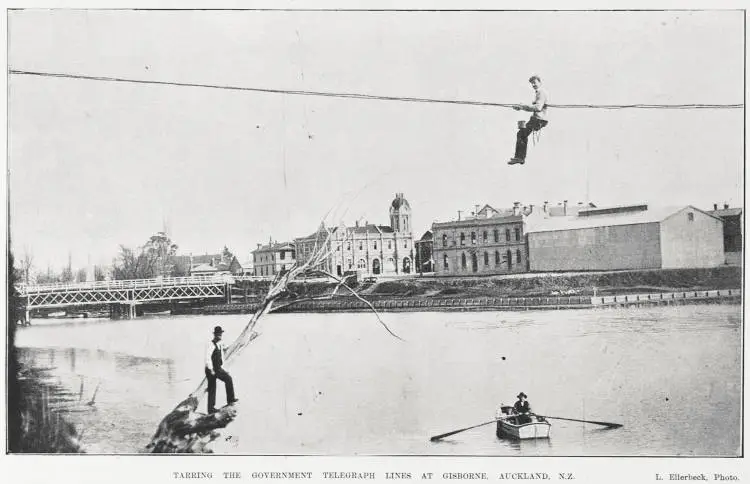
[(369, 97)]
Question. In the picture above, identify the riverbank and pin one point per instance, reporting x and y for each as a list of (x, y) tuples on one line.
[(44, 427), (511, 292)]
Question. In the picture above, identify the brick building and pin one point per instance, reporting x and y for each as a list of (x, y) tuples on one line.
[(489, 241)]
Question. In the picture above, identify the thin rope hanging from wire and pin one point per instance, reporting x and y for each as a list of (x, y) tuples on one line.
[(370, 97)]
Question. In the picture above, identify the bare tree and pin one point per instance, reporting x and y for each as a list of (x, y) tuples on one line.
[(26, 263), (186, 430)]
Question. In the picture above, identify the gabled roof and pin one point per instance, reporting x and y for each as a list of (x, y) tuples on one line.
[(652, 215)]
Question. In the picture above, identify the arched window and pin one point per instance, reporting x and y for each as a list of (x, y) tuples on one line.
[(445, 240), (497, 257), (486, 258), (407, 265), (463, 239), (473, 238), (518, 233), (376, 266), (496, 235), (445, 261), (463, 261), (474, 264), (518, 256), (507, 235), (375, 244), (484, 236), (361, 264)]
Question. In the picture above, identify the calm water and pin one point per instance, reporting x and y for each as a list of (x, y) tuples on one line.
[(339, 384)]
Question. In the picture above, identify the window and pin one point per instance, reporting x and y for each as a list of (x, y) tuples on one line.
[(691, 216), (348, 246), (509, 257), (361, 264), (283, 254), (497, 257), (496, 235), (360, 245), (445, 240), (517, 230), (445, 261), (473, 238), (463, 261), (463, 239), (349, 263), (507, 235), (486, 257), (390, 246), (406, 244), (484, 236), (375, 244), (518, 256)]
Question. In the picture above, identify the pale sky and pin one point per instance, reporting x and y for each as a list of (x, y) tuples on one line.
[(96, 164)]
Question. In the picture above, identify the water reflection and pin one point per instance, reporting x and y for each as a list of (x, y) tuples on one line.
[(325, 384)]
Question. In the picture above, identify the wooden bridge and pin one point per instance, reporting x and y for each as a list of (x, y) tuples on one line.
[(122, 297)]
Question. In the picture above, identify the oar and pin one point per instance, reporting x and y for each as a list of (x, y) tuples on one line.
[(605, 424), (448, 434)]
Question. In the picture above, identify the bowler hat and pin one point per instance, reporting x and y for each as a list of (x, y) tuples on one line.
[(218, 330), (522, 394)]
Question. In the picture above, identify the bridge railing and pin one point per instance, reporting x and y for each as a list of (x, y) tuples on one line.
[(24, 289)]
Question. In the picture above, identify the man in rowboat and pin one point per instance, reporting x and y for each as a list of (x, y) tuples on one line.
[(522, 408)]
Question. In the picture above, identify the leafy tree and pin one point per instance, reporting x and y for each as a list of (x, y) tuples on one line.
[(154, 259), (81, 275), (99, 273)]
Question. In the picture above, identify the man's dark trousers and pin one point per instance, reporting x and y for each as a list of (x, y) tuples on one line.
[(522, 137), (227, 379)]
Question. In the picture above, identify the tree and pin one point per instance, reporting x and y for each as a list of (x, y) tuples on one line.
[(99, 273), (25, 265), (81, 275), (154, 259), (159, 251)]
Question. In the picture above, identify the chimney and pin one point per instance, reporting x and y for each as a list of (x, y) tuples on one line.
[(459, 215), (476, 210), (565, 207), (356, 223), (516, 208), (726, 206), (716, 206)]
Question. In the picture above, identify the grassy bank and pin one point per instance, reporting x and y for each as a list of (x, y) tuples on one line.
[(550, 284)]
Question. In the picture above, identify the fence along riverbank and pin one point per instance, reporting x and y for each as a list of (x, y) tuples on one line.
[(349, 304)]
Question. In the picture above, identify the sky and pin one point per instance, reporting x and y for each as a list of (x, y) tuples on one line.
[(96, 164)]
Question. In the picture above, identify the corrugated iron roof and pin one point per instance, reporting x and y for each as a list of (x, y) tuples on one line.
[(651, 215)]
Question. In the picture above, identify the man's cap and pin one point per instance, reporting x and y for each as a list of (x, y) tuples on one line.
[(522, 394), (218, 330)]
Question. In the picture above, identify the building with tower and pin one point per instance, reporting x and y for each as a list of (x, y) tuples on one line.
[(368, 249)]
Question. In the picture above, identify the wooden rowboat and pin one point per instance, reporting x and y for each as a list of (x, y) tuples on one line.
[(510, 425)]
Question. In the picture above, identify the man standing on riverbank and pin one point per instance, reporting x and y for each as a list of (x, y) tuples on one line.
[(214, 369)]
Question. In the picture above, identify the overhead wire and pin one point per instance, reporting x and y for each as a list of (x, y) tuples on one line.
[(370, 97)]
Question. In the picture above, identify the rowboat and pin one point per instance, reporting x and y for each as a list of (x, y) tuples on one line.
[(510, 425)]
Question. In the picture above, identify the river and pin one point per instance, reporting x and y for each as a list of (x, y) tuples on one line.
[(339, 384)]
